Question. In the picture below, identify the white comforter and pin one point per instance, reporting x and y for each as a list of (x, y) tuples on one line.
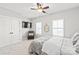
[(67, 47), (57, 46)]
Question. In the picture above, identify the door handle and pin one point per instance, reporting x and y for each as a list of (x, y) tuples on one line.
[(11, 32)]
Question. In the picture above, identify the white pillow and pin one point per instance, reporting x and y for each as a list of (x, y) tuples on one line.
[(77, 46), (77, 43), (75, 38)]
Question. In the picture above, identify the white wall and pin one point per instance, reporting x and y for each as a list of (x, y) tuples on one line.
[(71, 19)]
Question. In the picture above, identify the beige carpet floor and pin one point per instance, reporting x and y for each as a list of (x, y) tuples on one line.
[(20, 48)]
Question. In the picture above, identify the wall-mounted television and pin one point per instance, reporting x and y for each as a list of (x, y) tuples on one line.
[(26, 24)]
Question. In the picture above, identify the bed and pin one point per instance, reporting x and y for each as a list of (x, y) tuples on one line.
[(59, 46), (47, 45)]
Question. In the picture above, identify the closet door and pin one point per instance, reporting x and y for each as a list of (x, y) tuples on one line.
[(15, 30)]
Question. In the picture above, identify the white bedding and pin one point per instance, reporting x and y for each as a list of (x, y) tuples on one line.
[(67, 47), (57, 46), (52, 46), (42, 39)]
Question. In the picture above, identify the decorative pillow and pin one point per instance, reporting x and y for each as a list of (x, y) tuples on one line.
[(77, 49), (75, 38), (76, 42)]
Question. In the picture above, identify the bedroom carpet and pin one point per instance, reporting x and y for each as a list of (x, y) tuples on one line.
[(20, 48)]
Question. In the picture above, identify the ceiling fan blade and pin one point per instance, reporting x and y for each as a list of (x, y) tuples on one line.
[(43, 11), (46, 7), (33, 9), (38, 4)]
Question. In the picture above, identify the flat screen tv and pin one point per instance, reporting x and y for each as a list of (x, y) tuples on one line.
[(26, 24)]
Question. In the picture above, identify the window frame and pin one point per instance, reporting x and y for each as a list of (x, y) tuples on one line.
[(37, 32), (63, 28)]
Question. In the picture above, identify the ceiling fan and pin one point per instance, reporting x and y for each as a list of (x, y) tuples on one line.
[(40, 8)]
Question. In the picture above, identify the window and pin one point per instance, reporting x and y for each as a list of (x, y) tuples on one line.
[(58, 27), (38, 28)]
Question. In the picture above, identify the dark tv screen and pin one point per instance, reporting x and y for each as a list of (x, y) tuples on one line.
[(26, 24)]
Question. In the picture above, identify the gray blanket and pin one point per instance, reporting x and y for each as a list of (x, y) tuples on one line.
[(35, 47)]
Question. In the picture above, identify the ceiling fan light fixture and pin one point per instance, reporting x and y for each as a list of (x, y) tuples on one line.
[(39, 10)]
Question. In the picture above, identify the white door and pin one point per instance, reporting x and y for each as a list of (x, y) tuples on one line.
[(15, 30), (9, 31)]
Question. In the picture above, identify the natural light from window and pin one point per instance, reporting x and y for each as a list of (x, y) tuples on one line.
[(58, 27), (38, 28)]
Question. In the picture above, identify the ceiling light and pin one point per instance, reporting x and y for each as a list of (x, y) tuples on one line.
[(39, 10)]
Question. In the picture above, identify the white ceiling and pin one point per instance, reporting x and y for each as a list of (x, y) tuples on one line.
[(25, 11)]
